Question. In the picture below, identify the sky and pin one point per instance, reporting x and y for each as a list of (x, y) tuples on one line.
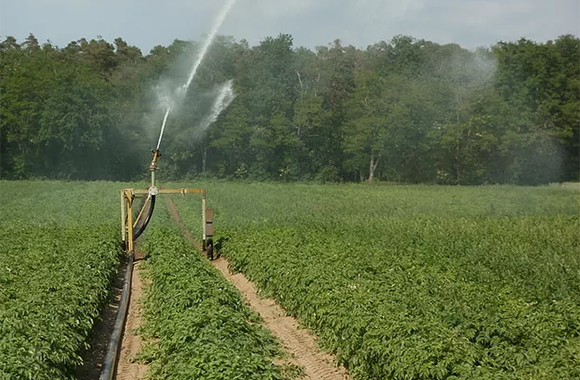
[(147, 23)]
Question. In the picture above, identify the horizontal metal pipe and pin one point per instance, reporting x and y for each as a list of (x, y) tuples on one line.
[(169, 191)]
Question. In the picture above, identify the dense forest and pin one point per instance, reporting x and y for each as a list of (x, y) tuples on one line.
[(406, 110)]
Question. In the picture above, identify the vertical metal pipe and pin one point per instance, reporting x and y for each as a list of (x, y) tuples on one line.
[(130, 221), (203, 200), (152, 178), (123, 216)]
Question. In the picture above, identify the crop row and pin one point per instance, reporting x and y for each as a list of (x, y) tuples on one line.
[(52, 286), (481, 285), (196, 323)]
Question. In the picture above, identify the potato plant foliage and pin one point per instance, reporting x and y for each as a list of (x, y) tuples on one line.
[(58, 252), (196, 323), (416, 282), (402, 282)]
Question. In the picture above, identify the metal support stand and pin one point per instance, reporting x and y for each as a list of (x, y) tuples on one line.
[(128, 196)]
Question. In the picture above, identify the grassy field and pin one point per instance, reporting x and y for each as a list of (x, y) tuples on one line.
[(416, 282), (402, 282)]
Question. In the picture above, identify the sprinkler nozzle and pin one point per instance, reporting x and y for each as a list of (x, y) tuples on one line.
[(156, 155)]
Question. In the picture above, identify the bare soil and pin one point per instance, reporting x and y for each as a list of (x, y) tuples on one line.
[(299, 343)]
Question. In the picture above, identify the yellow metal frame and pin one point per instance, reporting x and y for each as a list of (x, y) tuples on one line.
[(128, 224), (129, 195)]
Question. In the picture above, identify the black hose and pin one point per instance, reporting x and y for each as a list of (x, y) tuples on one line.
[(141, 226), (109, 364)]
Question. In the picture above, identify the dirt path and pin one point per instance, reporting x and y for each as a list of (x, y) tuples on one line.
[(127, 367), (299, 343)]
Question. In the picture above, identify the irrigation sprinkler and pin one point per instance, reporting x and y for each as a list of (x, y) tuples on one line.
[(134, 219), (132, 227)]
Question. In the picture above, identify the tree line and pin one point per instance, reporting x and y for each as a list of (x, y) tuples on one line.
[(407, 110)]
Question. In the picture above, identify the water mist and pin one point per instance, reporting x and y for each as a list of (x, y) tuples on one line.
[(168, 101)]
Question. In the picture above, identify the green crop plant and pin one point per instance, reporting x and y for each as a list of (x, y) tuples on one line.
[(58, 253), (197, 325), (416, 282), (401, 282)]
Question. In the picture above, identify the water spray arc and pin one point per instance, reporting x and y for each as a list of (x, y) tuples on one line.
[(181, 91), (163, 127), (207, 43), (224, 97)]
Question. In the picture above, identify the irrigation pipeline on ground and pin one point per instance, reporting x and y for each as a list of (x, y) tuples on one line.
[(114, 346)]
